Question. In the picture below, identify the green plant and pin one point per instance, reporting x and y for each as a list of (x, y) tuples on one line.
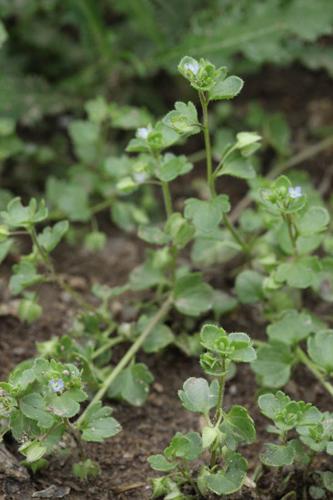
[(224, 429), (38, 404), (313, 428)]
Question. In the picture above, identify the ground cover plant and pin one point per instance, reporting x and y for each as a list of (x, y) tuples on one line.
[(253, 417)]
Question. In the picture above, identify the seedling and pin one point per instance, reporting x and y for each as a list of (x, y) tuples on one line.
[(38, 405), (223, 432), (313, 429)]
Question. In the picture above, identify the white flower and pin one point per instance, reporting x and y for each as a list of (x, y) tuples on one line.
[(139, 177), (295, 192), (56, 385), (143, 132), (193, 67)]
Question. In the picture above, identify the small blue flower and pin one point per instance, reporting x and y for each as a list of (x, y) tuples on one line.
[(143, 132), (295, 192), (193, 67), (56, 385)]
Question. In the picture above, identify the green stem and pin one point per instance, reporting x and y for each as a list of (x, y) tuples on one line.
[(161, 313), (106, 346), (210, 173), (292, 232), (236, 236), (167, 199), (314, 370), (219, 410), (208, 148), (77, 438)]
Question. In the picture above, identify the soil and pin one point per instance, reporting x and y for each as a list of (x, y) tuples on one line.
[(125, 472)]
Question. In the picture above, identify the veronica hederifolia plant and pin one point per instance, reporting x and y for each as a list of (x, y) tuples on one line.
[(224, 429)]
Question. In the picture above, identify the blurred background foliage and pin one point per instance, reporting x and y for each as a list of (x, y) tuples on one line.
[(76, 75)]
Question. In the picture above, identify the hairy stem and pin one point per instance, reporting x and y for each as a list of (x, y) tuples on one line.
[(210, 174), (111, 343), (314, 370), (161, 313), (219, 410), (208, 148), (292, 232), (167, 199)]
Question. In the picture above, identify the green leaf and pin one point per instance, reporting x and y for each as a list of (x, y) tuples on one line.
[(192, 296), (277, 133), (238, 426), (97, 109), (272, 404), (198, 396), (187, 446), (209, 436), (29, 310), (5, 247), (206, 215), (33, 406), (128, 117), (160, 463), (277, 455), (248, 287), (327, 477), (17, 215), (158, 339), (273, 364), (299, 274), (145, 276), (153, 235), (85, 136), (25, 275), (132, 384), (291, 328), (33, 451), (226, 88), (237, 167), (70, 198), (172, 167), (98, 425), (87, 469), (51, 236), (241, 347), (180, 230), (213, 336), (183, 119), (320, 349), (317, 20), (314, 220), (229, 480), (64, 406), (247, 142)]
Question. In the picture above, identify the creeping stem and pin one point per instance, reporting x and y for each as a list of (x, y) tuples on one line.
[(219, 410), (161, 313), (208, 147), (314, 370), (210, 174), (292, 231), (167, 199)]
